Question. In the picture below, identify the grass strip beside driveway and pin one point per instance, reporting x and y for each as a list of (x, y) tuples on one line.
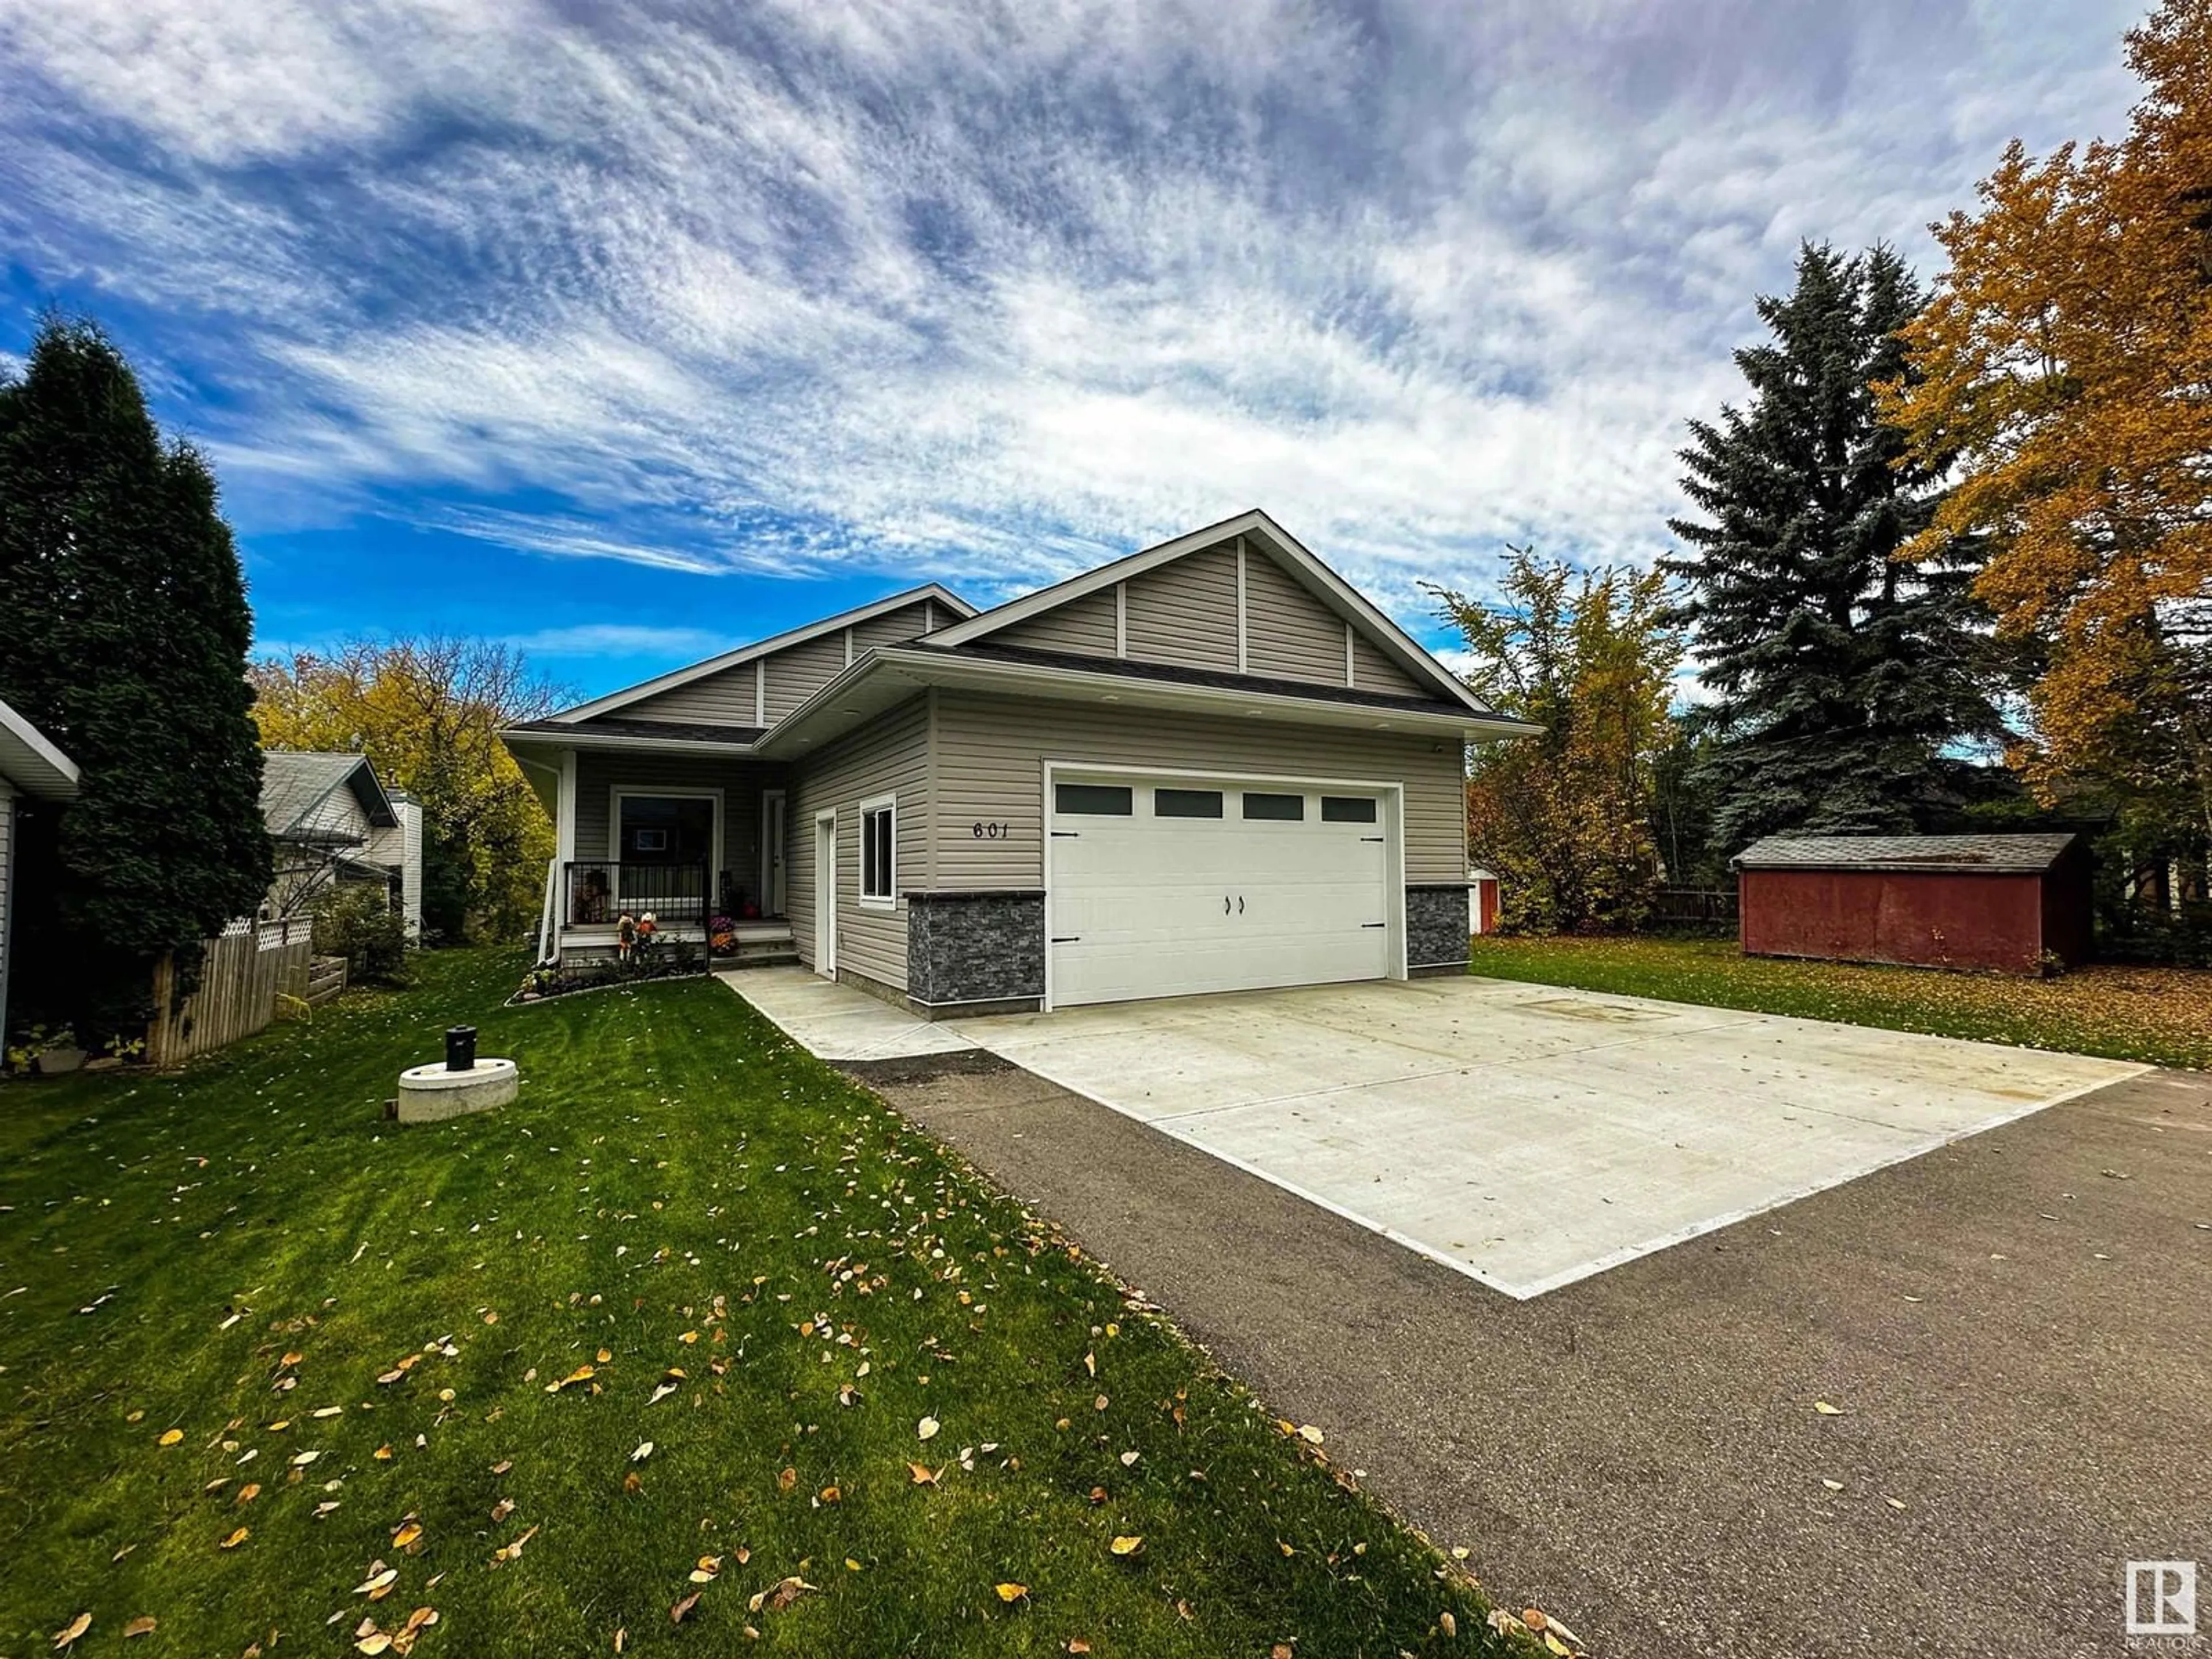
[(2157, 1016), (696, 1316)]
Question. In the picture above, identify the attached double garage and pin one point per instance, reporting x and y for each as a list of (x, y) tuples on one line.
[(1170, 885), (1049, 852)]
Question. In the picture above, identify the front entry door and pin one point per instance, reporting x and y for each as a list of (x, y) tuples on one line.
[(825, 895), (772, 853)]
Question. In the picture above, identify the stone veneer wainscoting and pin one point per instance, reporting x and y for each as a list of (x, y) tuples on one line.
[(1437, 929), (970, 953)]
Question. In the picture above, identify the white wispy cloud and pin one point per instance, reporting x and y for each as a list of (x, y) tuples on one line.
[(987, 292)]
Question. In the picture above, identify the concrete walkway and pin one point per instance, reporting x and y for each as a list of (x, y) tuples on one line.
[(836, 1021)]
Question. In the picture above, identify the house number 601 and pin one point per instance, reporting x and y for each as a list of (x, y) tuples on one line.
[(989, 832)]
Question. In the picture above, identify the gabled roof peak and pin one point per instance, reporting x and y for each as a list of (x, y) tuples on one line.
[(1339, 594), (935, 592)]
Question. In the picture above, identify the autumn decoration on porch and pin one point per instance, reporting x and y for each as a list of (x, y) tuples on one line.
[(722, 936)]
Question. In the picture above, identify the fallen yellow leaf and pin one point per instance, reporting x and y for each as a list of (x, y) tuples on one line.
[(142, 1626), (236, 1539), (1826, 1410), (1128, 1545), (168, 1439), (1012, 1592), (76, 1628)]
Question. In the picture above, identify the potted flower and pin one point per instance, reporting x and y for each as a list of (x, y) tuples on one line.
[(722, 936)]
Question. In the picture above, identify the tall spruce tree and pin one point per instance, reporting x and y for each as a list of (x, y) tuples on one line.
[(1839, 675), (124, 634)]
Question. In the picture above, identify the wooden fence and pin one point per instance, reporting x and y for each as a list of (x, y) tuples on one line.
[(241, 974), (1713, 908)]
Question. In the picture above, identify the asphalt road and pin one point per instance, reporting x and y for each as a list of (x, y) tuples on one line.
[(2016, 1330)]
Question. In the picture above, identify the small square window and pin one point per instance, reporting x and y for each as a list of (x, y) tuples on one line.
[(1110, 800), (1286, 808), (1186, 803), (879, 853), (1347, 809)]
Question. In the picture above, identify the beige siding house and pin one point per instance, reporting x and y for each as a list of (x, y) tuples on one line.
[(33, 772), (1211, 765)]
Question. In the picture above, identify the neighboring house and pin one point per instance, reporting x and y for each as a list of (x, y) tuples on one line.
[(1212, 765), (332, 821), (2016, 903), (31, 771)]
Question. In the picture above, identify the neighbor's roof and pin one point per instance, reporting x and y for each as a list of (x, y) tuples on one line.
[(295, 782), (30, 760), (1992, 855)]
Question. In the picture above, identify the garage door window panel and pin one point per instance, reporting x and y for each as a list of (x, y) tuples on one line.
[(1096, 799), (1276, 809), (1347, 809), (1186, 803)]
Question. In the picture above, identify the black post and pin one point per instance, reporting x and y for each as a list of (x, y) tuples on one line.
[(461, 1047)]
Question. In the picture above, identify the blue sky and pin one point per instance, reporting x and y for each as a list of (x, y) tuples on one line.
[(629, 332)]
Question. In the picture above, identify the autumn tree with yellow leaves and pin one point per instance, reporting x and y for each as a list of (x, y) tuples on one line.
[(2065, 360), (427, 713)]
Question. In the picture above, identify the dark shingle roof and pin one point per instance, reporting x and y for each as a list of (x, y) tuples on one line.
[(1990, 854), (673, 730)]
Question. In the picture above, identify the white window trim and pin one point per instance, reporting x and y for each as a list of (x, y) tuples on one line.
[(888, 900)]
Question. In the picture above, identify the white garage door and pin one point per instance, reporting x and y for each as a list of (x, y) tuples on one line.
[(1166, 887)]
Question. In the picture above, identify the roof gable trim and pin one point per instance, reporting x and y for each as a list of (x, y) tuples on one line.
[(744, 653), (1339, 594)]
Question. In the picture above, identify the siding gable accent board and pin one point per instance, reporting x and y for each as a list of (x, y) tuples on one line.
[(1185, 613), (1257, 532), (760, 692), (1091, 627), (921, 604)]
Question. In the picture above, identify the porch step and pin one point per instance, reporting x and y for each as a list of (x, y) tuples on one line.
[(762, 944)]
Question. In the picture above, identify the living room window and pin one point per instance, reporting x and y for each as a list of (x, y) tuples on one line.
[(879, 852)]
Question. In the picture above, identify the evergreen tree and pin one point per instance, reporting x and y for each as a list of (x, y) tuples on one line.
[(124, 635), (1839, 675)]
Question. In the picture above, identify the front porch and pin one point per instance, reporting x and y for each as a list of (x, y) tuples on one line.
[(696, 841)]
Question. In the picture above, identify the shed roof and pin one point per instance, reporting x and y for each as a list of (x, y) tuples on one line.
[(1985, 854)]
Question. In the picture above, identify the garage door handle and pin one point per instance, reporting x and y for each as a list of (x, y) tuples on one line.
[(1067, 835), (1068, 938), (1372, 838), (1374, 924), (1225, 905), (1240, 904)]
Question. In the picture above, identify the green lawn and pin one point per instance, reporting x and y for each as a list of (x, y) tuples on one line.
[(349, 1335), (2159, 1015)]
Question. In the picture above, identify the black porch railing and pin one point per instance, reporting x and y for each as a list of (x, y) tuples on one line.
[(599, 892)]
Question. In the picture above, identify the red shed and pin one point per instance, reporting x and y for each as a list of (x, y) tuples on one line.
[(2007, 902)]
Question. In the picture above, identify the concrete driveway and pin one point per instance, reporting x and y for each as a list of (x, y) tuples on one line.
[(1526, 1135)]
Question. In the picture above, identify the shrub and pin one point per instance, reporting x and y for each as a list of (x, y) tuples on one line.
[(355, 921)]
